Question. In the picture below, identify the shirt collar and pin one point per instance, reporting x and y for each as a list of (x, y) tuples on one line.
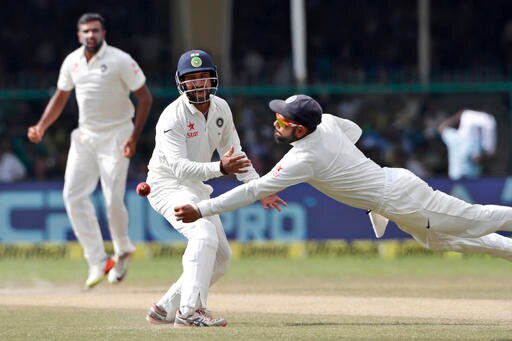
[(192, 108), (307, 139), (98, 54)]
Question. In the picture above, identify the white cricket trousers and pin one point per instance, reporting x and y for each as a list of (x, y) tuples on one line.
[(207, 255), (94, 156), (441, 222)]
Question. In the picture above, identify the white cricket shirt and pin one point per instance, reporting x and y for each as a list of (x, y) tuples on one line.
[(102, 86), (327, 159), (482, 125), (185, 142)]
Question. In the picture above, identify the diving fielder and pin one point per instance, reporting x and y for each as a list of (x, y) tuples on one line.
[(325, 156)]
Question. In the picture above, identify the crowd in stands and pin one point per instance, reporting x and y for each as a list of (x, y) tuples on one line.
[(398, 131), (348, 42)]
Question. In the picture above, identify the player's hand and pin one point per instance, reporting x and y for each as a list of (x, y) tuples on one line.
[(230, 164), (273, 201), (187, 213), (129, 148), (35, 133)]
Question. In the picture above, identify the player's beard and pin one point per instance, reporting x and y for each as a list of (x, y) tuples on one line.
[(93, 49), (199, 96), (285, 139)]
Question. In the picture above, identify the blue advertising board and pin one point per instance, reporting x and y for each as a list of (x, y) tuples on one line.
[(34, 212)]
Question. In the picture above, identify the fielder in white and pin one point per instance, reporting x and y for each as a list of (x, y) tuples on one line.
[(324, 155), (188, 132), (103, 143)]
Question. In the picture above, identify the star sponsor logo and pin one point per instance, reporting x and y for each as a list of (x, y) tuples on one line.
[(192, 132), (276, 171)]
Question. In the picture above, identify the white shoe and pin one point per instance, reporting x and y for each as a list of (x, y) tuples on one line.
[(199, 318), (157, 315), (118, 272), (98, 272)]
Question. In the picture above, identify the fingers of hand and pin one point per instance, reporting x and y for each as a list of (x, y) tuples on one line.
[(128, 151), (178, 214), (238, 157), (273, 206), (34, 134), (236, 164), (230, 152), (239, 166), (185, 213)]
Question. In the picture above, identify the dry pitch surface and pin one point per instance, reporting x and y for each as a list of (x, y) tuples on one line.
[(349, 299), (130, 297)]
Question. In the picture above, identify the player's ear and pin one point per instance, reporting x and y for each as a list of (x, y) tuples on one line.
[(301, 131)]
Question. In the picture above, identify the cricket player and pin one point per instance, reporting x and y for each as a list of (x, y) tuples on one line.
[(103, 143), (188, 132), (324, 155), (470, 138)]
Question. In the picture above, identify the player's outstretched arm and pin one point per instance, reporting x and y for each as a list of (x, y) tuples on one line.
[(273, 201)]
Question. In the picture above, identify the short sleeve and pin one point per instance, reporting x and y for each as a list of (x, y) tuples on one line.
[(131, 73), (65, 81)]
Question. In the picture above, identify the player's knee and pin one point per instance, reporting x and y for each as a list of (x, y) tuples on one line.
[(115, 206), (71, 198), (205, 231), (444, 244), (114, 201), (205, 241)]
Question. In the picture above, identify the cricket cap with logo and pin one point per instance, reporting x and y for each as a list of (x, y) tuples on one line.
[(300, 109), (195, 61)]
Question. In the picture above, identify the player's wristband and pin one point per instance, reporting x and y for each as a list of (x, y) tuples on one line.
[(222, 170)]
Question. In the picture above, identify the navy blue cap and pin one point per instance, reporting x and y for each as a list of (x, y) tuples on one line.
[(195, 61), (300, 109)]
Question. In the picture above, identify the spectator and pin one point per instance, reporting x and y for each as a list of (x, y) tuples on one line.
[(11, 168), (469, 135)]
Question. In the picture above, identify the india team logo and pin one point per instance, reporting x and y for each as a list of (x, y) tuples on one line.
[(195, 61)]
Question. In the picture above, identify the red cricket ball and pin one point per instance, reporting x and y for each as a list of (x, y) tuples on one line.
[(143, 189)]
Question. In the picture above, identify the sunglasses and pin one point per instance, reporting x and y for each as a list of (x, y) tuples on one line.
[(283, 122)]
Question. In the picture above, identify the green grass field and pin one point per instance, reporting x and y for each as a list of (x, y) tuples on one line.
[(351, 298)]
